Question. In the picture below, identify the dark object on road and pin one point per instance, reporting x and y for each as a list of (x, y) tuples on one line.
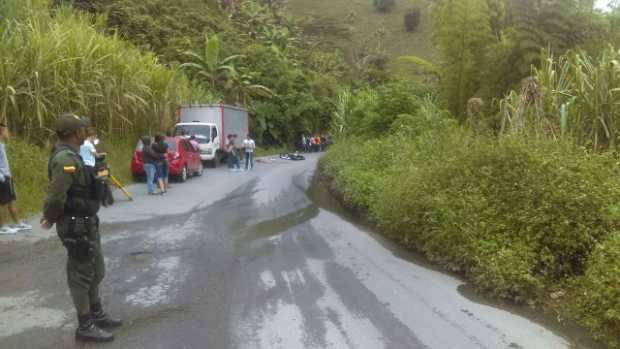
[(292, 156), (72, 204)]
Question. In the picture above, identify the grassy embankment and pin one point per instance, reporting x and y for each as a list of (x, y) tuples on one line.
[(55, 61), (29, 169), (332, 16), (532, 222)]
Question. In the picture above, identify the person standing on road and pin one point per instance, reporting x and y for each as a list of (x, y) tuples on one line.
[(317, 141), (231, 154), (249, 145), (163, 167), (7, 188), (72, 205), (150, 158)]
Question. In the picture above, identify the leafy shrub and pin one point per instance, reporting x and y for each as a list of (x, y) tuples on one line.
[(384, 5), (513, 215), (357, 165), (374, 111), (550, 200), (29, 169), (412, 19), (597, 296)]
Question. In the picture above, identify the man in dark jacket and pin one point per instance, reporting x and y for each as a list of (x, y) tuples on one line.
[(150, 158)]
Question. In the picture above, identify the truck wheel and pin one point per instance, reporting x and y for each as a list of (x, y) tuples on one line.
[(183, 176)]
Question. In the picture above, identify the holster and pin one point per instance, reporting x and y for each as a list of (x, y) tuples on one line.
[(77, 239)]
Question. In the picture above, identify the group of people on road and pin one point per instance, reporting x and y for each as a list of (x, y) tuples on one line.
[(316, 143), (233, 154), (156, 166)]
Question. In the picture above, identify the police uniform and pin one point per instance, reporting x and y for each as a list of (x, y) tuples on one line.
[(72, 204)]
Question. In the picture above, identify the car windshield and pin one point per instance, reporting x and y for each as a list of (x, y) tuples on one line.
[(201, 132), (202, 139)]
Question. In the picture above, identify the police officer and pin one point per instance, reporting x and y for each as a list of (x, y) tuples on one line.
[(72, 205)]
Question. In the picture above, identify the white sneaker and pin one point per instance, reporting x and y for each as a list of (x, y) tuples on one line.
[(21, 226), (8, 231)]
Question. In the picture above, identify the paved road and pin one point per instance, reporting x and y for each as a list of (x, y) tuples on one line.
[(262, 259)]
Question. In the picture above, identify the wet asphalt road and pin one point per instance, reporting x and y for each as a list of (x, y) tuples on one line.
[(263, 259)]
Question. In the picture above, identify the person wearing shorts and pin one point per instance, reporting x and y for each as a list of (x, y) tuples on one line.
[(7, 188)]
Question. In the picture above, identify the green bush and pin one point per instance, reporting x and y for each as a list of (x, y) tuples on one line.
[(513, 215), (597, 295), (384, 5), (468, 203), (412, 19), (29, 169)]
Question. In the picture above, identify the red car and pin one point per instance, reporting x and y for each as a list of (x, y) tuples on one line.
[(183, 159)]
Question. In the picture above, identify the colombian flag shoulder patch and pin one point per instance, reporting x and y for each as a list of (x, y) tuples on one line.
[(69, 169)]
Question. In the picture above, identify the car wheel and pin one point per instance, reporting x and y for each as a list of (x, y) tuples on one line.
[(183, 176)]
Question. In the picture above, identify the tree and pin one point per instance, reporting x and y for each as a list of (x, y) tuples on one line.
[(462, 33), (209, 67), (241, 88), (412, 19), (384, 5)]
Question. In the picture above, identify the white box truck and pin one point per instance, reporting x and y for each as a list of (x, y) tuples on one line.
[(211, 124)]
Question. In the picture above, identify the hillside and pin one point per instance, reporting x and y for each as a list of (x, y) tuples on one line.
[(347, 23)]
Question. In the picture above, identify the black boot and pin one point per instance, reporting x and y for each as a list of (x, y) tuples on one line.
[(102, 319), (87, 331)]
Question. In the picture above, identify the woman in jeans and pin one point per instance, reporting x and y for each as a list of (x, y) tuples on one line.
[(163, 167), (150, 157)]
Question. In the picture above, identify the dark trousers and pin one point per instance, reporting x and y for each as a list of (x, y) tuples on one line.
[(84, 276)]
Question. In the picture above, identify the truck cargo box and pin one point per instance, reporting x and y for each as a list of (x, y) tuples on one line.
[(228, 119)]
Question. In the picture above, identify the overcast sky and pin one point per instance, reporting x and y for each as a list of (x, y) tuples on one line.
[(602, 4)]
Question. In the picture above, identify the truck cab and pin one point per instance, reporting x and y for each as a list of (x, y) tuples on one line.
[(207, 135)]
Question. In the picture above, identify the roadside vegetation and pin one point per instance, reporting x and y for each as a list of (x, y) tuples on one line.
[(128, 65), (501, 164)]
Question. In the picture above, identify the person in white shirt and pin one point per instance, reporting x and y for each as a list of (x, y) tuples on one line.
[(249, 145), (88, 152)]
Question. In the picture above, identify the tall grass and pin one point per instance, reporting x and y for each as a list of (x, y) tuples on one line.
[(574, 95), (56, 61), (51, 64)]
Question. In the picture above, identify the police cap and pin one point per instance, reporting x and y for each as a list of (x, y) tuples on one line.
[(69, 123)]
